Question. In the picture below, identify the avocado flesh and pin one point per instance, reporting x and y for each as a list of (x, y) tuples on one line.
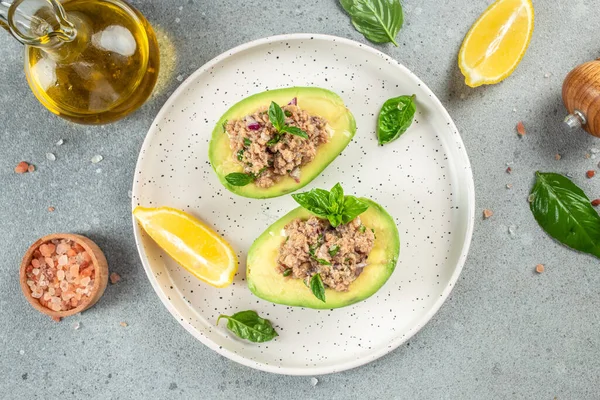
[(266, 282), (315, 101)]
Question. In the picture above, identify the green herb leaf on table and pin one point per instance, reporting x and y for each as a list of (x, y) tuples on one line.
[(292, 130), (395, 117), (564, 211), (333, 205), (239, 179), (276, 116), (317, 287), (378, 20), (248, 325)]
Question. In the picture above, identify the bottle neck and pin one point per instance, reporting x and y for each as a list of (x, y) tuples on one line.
[(39, 23)]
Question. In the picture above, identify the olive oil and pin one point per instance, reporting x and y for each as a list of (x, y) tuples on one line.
[(106, 72)]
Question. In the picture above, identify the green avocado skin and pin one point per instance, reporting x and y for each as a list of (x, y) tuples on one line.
[(316, 101), (267, 283)]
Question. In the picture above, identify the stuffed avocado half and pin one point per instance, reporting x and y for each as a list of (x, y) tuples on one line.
[(303, 260), (275, 142)]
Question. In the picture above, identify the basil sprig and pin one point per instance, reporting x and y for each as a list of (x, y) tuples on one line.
[(333, 205), (378, 20), (248, 325), (277, 118), (317, 287), (242, 179), (564, 211), (395, 117)]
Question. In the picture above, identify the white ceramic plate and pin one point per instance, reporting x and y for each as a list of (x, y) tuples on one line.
[(423, 179)]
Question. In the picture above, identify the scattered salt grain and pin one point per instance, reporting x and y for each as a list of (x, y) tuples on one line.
[(539, 268), (530, 198), (569, 175), (177, 20), (51, 209), (50, 157), (21, 352), (180, 78), (130, 194), (31, 168), (114, 277), (509, 185), (547, 75), (512, 230), (314, 381), (99, 171), (557, 156), (96, 159), (487, 213), (462, 96), (77, 325), (521, 129), (123, 324), (60, 142), (21, 167)]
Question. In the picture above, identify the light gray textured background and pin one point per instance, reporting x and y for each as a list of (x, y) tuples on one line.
[(505, 332)]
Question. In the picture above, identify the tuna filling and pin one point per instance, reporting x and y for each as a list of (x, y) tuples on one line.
[(315, 247), (253, 140)]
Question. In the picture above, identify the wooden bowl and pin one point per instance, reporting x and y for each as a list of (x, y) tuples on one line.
[(100, 274)]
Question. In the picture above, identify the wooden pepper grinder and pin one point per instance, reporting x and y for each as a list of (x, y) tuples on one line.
[(581, 95)]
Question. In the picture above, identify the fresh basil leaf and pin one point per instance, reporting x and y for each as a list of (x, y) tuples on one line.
[(333, 250), (336, 199), (564, 211), (239, 179), (395, 117), (322, 262), (353, 207), (287, 272), (332, 205), (317, 287), (276, 116), (248, 325), (274, 140), (378, 20), (313, 202), (247, 142), (292, 130)]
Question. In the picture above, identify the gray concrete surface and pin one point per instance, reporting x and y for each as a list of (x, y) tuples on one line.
[(505, 332)]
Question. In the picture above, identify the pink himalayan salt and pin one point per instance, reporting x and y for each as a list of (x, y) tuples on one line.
[(54, 286)]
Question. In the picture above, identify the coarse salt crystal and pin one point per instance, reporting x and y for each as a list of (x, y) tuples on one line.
[(51, 291), (35, 271), (21, 352), (84, 281), (60, 142), (180, 78), (50, 157), (62, 248), (314, 381), (64, 286), (177, 20), (47, 296), (77, 325), (97, 158), (49, 262), (63, 260), (74, 271), (60, 275), (99, 171), (30, 283)]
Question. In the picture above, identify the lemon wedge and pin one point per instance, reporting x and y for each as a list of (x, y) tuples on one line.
[(194, 245), (496, 43)]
